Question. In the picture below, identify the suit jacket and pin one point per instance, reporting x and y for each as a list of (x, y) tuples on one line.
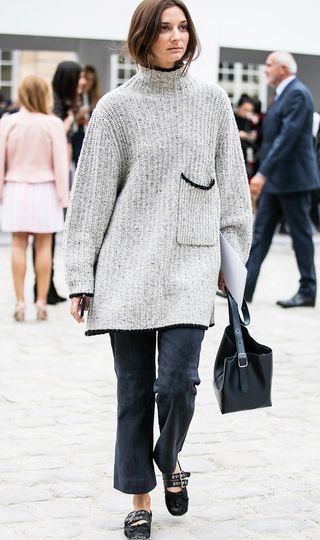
[(287, 153)]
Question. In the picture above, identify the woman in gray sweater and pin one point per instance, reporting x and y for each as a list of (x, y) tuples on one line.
[(161, 173)]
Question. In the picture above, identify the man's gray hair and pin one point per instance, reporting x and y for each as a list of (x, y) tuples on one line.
[(286, 59)]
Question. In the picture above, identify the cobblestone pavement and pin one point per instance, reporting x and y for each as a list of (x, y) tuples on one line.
[(255, 475)]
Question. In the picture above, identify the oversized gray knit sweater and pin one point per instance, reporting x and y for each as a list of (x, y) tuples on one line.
[(161, 173)]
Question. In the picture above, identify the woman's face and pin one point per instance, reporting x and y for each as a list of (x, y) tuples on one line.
[(81, 83), (172, 41), (90, 80)]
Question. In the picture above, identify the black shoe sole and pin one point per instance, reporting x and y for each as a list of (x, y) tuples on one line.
[(53, 300), (304, 304), (137, 535)]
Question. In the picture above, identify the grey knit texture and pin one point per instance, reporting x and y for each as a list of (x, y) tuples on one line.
[(161, 173)]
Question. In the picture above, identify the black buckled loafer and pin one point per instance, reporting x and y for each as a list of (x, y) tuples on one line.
[(298, 300), (176, 503)]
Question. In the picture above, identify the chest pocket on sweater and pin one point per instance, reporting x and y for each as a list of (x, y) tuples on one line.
[(198, 211)]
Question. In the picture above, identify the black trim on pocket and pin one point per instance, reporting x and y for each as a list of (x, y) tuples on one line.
[(199, 186)]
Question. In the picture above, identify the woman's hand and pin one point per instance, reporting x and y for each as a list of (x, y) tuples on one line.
[(256, 184), (75, 308), (221, 282), (82, 116)]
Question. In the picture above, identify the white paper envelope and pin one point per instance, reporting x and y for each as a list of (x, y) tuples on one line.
[(235, 272)]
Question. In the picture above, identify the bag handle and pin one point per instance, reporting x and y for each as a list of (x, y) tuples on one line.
[(245, 320), (236, 326)]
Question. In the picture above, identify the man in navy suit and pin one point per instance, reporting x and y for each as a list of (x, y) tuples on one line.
[(287, 175)]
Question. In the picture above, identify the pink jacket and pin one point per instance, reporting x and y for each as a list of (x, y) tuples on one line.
[(33, 149)]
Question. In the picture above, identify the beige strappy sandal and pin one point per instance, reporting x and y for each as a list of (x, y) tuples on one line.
[(19, 312), (42, 313)]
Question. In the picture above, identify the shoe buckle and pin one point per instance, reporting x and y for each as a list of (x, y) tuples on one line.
[(181, 479)]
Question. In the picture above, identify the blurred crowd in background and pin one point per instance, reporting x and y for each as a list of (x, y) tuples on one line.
[(76, 91)]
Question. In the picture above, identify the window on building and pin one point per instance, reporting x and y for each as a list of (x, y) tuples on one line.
[(226, 77), (7, 77), (122, 69), (240, 78)]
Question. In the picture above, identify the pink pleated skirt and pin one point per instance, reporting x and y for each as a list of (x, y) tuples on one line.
[(31, 208)]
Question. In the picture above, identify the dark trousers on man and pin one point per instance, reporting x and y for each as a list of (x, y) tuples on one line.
[(175, 391), (295, 208)]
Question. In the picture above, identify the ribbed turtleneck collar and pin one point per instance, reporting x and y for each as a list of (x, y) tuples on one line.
[(162, 80)]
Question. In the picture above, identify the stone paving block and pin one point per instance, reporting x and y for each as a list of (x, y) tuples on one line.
[(98, 535), (32, 433), (76, 474), (10, 533), (214, 530), (90, 459), (217, 511), (231, 460), (314, 496), (62, 508), (32, 449), (34, 423), (18, 494), (275, 525), (42, 462), (28, 479), (16, 513), (238, 492), (204, 463), (53, 530), (73, 490), (170, 527), (283, 505)]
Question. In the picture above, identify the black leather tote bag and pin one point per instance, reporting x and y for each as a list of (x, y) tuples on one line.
[(242, 374)]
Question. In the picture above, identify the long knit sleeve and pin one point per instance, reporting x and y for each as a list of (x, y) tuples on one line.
[(92, 201), (236, 214)]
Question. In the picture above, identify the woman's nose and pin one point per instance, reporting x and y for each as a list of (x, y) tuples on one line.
[(176, 34)]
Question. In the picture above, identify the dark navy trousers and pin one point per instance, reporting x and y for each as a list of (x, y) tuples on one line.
[(138, 387), (295, 208)]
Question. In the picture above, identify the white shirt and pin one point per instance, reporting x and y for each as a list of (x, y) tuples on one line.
[(280, 88), (316, 124)]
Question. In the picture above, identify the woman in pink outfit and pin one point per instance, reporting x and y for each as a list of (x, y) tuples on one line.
[(33, 185)]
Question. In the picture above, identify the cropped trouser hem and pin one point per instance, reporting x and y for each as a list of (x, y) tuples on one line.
[(134, 488)]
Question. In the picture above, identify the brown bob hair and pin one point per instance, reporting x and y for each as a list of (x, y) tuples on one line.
[(35, 95), (145, 27)]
